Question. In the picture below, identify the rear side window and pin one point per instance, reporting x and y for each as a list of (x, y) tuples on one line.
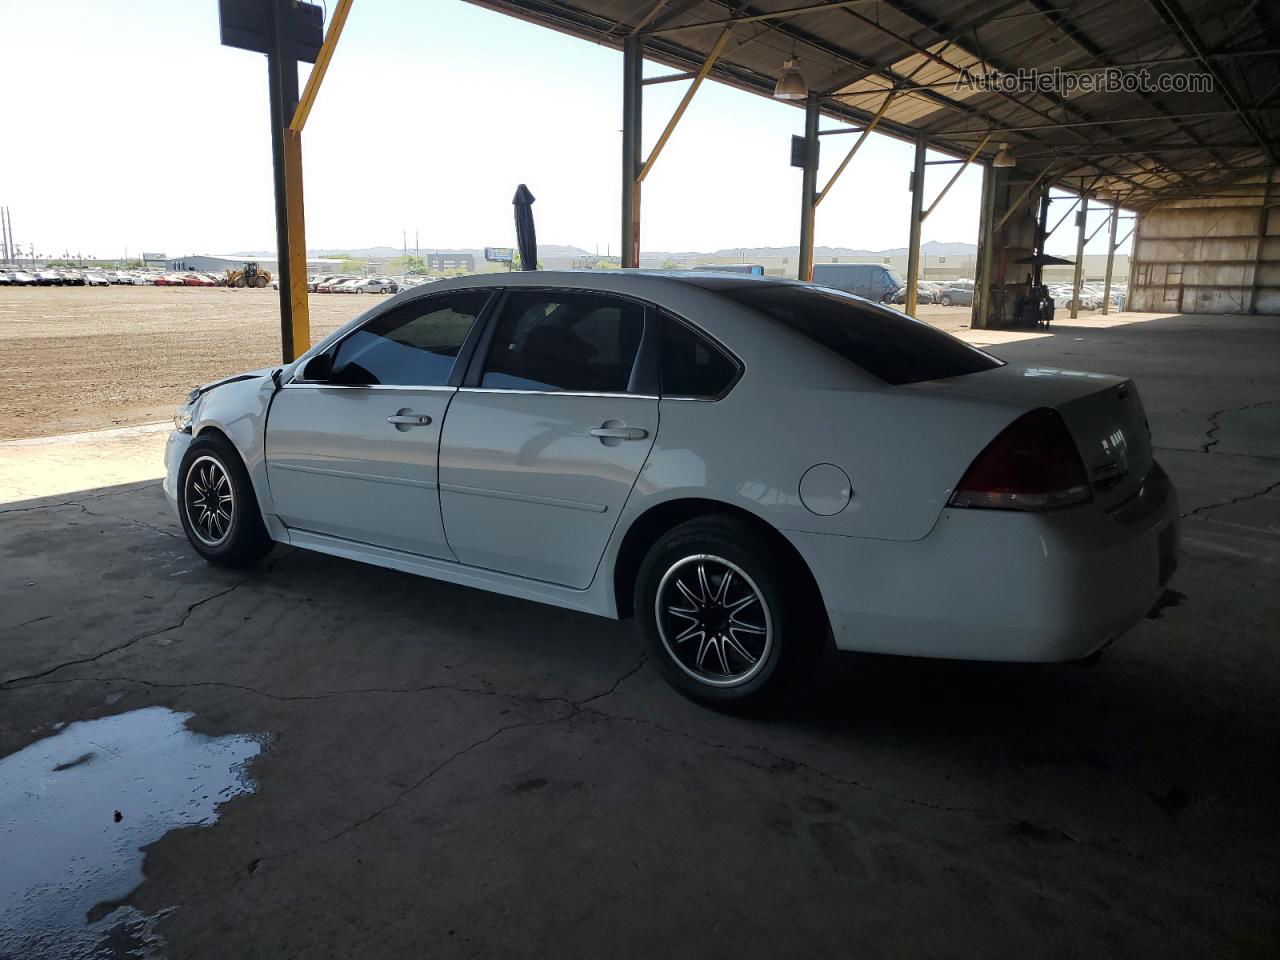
[(413, 346), (564, 341), (692, 366), (889, 345)]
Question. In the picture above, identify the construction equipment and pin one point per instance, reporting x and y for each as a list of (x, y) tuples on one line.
[(250, 276)]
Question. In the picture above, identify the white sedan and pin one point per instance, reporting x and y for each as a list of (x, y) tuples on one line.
[(750, 467)]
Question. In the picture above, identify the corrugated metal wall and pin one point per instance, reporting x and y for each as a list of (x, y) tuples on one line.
[(1208, 256)]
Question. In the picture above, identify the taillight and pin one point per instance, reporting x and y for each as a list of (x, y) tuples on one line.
[(1032, 465)]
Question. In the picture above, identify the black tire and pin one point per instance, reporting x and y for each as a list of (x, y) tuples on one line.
[(240, 541), (945, 301), (786, 607)]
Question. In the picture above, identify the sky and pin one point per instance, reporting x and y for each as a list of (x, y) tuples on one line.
[(129, 127)]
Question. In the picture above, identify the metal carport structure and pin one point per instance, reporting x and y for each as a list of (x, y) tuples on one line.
[(1191, 127)]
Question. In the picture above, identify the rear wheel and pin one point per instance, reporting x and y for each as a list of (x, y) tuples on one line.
[(217, 505), (945, 301), (725, 622)]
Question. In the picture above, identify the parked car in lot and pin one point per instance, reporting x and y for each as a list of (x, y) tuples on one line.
[(20, 278), (876, 282), (95, 278), (374, 285), (956, 295), (328, 286), (314, 283), (592, 440), (924, 294)]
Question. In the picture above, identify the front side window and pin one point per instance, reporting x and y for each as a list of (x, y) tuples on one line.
[(413, 346), (559, 341), (692, 366)]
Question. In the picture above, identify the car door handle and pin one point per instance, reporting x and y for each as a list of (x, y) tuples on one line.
[(410, 420), (620, 433)]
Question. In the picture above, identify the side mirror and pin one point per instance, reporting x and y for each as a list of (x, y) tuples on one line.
[(319, 368)]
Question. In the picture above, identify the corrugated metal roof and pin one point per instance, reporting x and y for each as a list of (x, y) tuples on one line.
[(1141, 146)]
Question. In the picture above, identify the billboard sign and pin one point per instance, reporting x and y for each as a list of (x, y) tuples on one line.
[(499, 254), (153, 258)]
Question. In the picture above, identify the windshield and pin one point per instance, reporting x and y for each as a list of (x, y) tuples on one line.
[(889, 345)]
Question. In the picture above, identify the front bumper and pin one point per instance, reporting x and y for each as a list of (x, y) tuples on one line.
[(175, 449), (1001, 585)]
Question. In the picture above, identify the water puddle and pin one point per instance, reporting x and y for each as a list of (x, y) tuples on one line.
[(77, 808)]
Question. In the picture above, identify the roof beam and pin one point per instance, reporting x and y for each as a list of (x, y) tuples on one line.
[(1081, 40), (757, 17), (950, 32), (1177, 21), (1100, 123)]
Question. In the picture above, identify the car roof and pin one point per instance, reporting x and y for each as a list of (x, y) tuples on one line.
[(635, 282)]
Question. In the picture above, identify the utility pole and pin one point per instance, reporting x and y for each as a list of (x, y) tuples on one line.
[(4, 233)]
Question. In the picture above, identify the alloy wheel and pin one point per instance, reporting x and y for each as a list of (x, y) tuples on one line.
[(210, 501), (713, 620)]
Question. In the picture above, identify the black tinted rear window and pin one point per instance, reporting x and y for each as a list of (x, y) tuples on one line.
[(885, 343)]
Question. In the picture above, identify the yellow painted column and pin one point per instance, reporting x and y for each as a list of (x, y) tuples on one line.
[(298, 296)]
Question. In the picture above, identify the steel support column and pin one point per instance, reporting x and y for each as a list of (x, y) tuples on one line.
[(1264, 215), (282, 77), (1111, 257), (978, 319), (913, 243), (808, 188), (1082, 218), (632, 69), (1042, 238)]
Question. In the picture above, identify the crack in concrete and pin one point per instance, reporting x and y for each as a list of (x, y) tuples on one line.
[(141, 523), (1212, 441), (83, 500), (13, 682), (1232, 502), (1215, 453)]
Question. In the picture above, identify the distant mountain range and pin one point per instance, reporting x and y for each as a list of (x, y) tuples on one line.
[(552, 251)]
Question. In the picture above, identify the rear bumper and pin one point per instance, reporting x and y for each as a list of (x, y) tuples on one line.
[(1001, 585)]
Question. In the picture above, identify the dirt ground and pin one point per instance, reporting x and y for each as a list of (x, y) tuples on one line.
[(87, 358), (91, 358)]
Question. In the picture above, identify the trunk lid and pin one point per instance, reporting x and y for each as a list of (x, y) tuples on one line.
[(1103, 413)]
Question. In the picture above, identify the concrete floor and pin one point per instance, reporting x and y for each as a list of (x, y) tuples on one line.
[(454, 773)]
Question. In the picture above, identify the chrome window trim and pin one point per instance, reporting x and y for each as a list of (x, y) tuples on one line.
[(321, 385), (558, 393)]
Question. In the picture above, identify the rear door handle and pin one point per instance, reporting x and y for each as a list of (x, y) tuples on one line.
[(410, 420), (620, 433)]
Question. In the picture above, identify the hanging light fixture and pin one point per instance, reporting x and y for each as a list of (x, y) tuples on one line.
[(1003, 157), (790, 85)]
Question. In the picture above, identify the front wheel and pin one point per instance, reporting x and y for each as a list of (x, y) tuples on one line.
[(217, 505), (945, 301), (725, 621)]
